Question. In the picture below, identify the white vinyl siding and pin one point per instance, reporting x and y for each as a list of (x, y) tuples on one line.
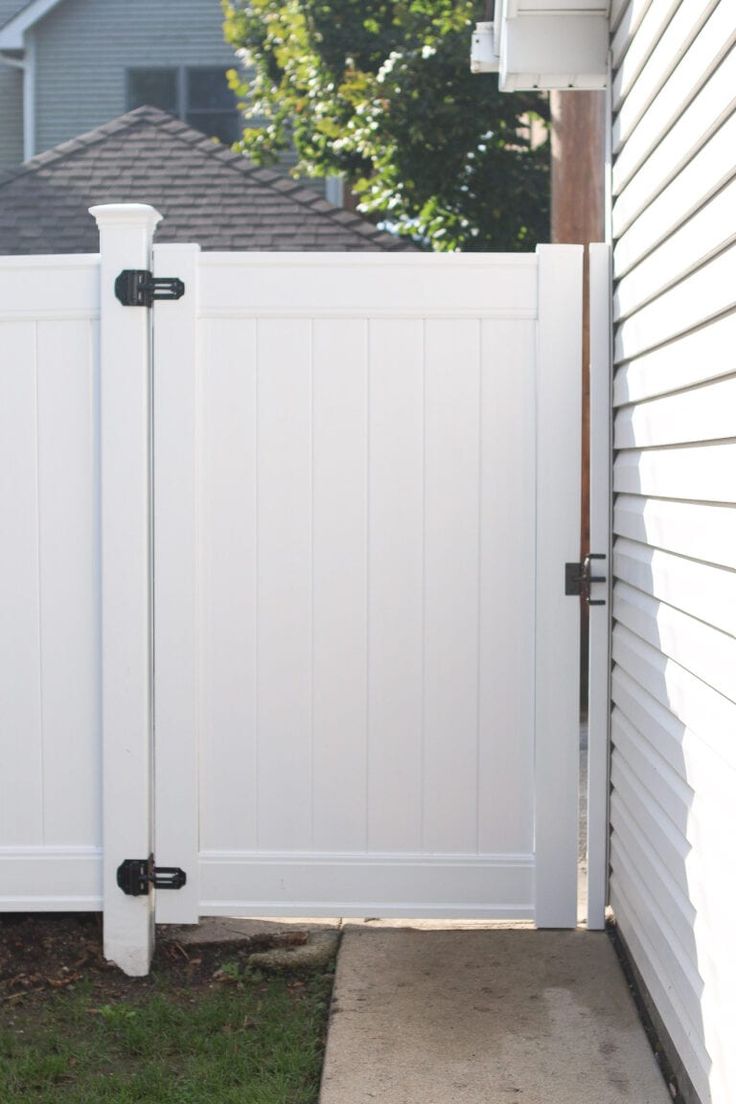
[(673, 769), (84, 49)]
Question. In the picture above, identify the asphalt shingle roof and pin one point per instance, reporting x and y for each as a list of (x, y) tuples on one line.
[(206, 193)]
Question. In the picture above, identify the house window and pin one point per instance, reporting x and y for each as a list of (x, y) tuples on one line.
[(199, 96)]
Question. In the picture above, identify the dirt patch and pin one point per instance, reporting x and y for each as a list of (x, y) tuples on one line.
[(41, 954)]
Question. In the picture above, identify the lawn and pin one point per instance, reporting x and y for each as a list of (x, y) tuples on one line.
[(203, 1028)]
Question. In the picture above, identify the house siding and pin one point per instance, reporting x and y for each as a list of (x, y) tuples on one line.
[(9, 8), (11, 100), (83, 50), (11, 112), (673, 765)]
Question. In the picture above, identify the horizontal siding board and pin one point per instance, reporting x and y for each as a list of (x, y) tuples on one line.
[(686, 1038), (708, 776), (640, 46), (652, 924), (681, 971), (701, 532), (617, 11), (710, 715), (702, 473), (707, 293), (702, 355), (669, 843), (704, 651), (702, 414), (629, 852), (629, 21), (711, 107), (689, 18), (705, 54), (707, 233), (701, 1006), (675, 900), (700, 589), (703, 176), (684, 867), (663, 783)]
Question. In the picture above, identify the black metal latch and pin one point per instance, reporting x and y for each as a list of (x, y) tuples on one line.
[(579, 578), (137, 287), (136, 876)]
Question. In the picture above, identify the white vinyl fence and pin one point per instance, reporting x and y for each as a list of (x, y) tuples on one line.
[(343, 490)]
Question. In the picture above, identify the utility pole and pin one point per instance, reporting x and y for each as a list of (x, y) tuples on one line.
[(578, 156)]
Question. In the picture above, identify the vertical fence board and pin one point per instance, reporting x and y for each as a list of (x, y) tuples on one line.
[(506, 660), (396, 584), (69, 574), (284, 584), (227, 578), (339, 400), (21, 721), (452, 566)]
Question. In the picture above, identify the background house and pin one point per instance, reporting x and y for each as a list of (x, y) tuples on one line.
[(670, 70), (67, 66)]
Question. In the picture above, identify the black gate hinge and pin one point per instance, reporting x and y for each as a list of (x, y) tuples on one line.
[(579, 578), (136, 876), (137, 287)]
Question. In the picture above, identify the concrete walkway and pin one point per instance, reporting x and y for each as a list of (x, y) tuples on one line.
[(487, 1015)]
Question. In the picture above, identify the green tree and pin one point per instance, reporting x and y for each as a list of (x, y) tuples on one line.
[(382, 92)]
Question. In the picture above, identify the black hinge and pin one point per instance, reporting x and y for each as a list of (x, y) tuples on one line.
[(137, 287), (136, 876), (579, 578)]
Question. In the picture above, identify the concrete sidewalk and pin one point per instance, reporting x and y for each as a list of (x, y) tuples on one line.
[(484, 1016)]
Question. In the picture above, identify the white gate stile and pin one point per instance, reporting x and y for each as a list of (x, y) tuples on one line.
[(176, 403), (366, 488)]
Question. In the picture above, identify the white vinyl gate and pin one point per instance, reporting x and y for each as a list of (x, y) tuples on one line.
[(365, 488)]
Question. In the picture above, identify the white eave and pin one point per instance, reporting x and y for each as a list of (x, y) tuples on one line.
[(545, 44), (12, 34)]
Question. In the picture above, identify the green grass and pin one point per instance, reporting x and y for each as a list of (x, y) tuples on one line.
[(249, 1040)]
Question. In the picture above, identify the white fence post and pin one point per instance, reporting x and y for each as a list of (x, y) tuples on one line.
[(557, 749), (126, 235)]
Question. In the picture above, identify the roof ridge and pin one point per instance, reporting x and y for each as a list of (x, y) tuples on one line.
[(90, 138), (176, 129)]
